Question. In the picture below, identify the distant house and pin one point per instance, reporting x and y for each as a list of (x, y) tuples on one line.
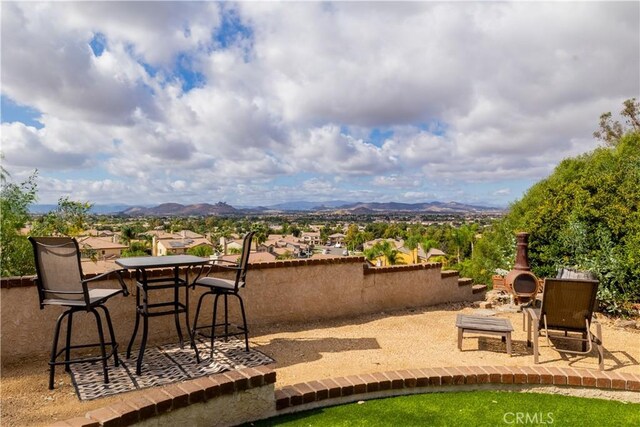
[(310, 238), (254, 257), (176, 243), (179, 246), (99, 233), (280, 244), (336, 238), (436, 255), (103, 248), (231, 244)]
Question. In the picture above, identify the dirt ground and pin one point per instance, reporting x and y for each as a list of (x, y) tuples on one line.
[(315, 350)]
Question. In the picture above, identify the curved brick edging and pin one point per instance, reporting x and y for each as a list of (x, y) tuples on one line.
[(162, 400), (298, 397), (387, 384)]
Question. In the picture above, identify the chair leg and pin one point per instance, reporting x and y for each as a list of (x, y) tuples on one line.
[(102, 349), (213, 322), (176, 315), (67, 352), (136, 324), (599, 346), (244, 322), (226, 318), (195, 319), (54, 348), (114, 343), (536, 332)]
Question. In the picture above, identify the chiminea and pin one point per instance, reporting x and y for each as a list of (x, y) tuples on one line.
[(520, 281)]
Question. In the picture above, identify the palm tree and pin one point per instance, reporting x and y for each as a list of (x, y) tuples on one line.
[(261, 233), (412, 244), (127, 234), (462, 239)]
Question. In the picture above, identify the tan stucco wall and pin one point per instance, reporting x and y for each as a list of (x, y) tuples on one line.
[(282, 294)]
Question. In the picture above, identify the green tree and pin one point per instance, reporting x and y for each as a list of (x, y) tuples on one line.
[(285, 255), (67, 220), (383, 248), (16, 254), (412, 243), (355, 238), (127, 234), (135, 249), (584, 215), (462, 238), (201, 251), (611, 131), (261, 233)]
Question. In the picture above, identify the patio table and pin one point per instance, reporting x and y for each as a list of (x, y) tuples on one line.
[(174, 307), (484, 325)]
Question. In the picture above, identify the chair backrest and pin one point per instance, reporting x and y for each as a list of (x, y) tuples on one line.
[(567, 303), (58, 268), (244, 258)]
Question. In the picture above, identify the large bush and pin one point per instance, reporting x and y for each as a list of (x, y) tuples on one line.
[(585, 215)]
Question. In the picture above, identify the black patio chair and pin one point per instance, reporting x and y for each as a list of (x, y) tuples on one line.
[(224, 287), (60, 282)]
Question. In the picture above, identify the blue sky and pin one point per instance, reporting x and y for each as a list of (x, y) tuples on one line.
[(258, 103)]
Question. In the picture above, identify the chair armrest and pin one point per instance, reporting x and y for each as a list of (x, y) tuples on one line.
[(234, 266), (125, 291), (535, 314)]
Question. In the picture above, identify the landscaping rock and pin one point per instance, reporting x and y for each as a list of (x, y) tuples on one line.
[(509, 308), (484, 312), (625, 324), (484, 305)]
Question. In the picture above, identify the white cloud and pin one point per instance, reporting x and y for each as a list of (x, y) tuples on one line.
[(469, 93)]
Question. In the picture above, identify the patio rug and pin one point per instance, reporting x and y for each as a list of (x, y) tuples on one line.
[(163, 365)]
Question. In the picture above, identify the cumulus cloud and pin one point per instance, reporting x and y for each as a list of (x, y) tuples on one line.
[(264, 102)]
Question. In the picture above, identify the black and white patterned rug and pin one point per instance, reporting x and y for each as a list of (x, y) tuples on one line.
[(163, 365)]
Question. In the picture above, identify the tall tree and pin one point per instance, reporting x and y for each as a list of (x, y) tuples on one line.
[(584, 215), (16, 256)]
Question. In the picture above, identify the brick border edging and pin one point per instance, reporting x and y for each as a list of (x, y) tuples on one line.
[(411, 379), (160, 400)]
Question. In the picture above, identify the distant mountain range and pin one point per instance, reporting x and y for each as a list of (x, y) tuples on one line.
[(337, 206)]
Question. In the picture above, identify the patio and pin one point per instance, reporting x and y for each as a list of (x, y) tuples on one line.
[(365, 344)]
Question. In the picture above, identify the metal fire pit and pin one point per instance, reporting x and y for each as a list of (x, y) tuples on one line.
[(522, 284), (520, 281)]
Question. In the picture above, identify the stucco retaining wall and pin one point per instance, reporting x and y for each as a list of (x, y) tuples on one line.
[(277, 292)]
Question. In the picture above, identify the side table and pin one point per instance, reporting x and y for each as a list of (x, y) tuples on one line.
[(484, 325)]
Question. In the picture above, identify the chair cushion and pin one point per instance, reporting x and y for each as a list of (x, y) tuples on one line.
[(215, 282), (96, 296)]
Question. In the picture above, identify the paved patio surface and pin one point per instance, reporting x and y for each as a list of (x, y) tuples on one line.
[(315, 350)]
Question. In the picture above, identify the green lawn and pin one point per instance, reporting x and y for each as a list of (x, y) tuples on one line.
[(479, 408)]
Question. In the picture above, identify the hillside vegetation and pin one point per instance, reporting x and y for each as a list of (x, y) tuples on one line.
[(584, 215)]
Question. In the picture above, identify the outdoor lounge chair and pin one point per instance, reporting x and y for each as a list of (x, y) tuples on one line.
[(225, 287), (567, 306), (60, 282)]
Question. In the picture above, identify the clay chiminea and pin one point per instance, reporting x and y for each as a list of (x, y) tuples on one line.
[(520, 282)]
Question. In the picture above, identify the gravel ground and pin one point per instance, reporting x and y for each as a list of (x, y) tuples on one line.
[(315, 350)]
